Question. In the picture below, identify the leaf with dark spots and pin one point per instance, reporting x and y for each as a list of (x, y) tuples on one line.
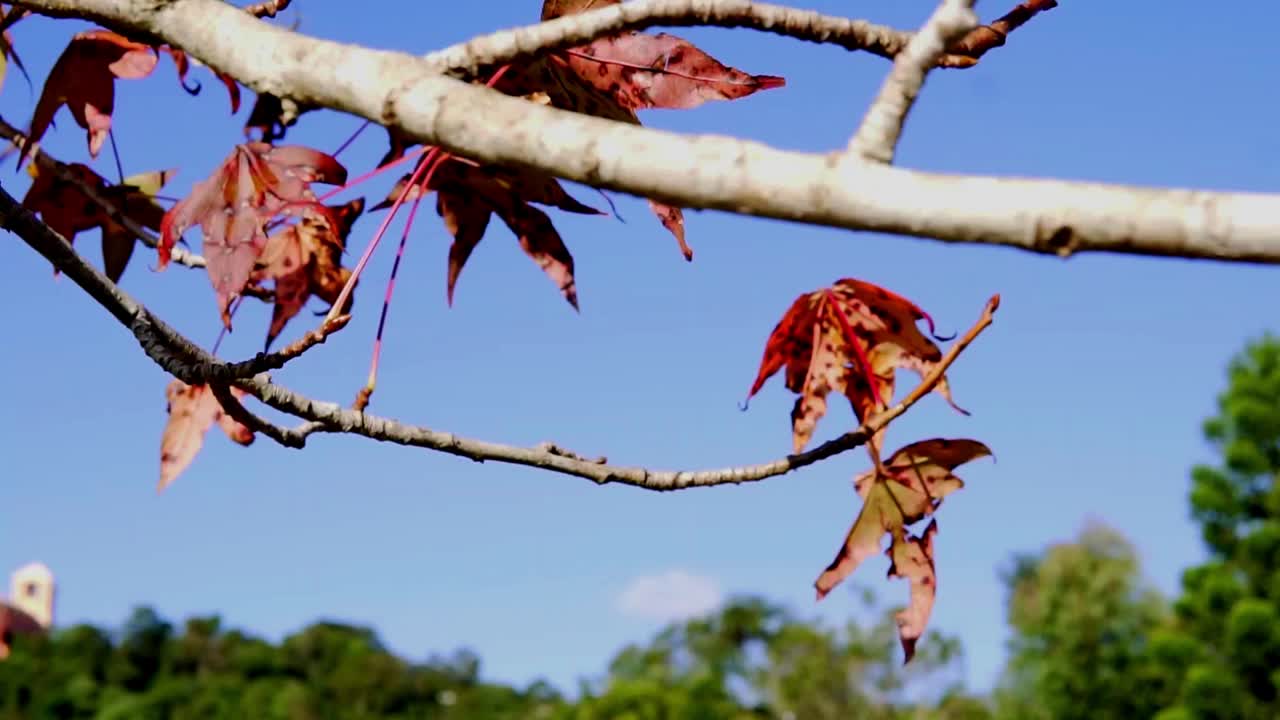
[(912, 559), (613, 77), (672, 218), (192, 410), (232, 206), (879, 515), (919, 475), (305, 260), (643, 71), (849, 338), (83, 79), (898, 493)]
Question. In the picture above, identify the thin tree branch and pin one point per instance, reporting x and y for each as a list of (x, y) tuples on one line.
[(469, 58), (877, 136), (550, 457), (988, 37), (711, 172), (193, 365), (289, 437)]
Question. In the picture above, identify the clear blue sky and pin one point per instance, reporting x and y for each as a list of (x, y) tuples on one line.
[(1090, 387)]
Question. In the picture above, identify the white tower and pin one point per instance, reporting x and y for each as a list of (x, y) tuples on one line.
[(31, 590)]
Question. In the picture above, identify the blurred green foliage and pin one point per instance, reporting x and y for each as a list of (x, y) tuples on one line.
[(749, 660), (1091, 641)]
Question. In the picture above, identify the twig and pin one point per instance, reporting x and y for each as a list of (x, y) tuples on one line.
[(877, 136), (289, 437), (969, 49), (469, 58)]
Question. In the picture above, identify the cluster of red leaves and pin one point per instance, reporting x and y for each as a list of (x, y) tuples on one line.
[(305, 259), (66, 208), (192, 411), (469, 194), (610, 78), (256, 183), (83, 79), (851, 338)]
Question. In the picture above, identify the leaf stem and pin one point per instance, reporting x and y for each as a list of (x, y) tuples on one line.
[(115, 152), (347, 143), (362, 398)]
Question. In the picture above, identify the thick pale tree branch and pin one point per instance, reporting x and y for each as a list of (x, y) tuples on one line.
[(877, 136), (712, 172), (193, 365)]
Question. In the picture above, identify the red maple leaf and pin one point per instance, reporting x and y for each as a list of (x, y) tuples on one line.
[(83, 79), (613, 77), (66, 208), (232, 206), (849, 338), (643, 71), (469, 194), (306, 259)]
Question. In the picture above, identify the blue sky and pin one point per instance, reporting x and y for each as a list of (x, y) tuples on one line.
[(1090, 387)]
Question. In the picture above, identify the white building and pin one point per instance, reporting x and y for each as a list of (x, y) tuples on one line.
[(29, 607)]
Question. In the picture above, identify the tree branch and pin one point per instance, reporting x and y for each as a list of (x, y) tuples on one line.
[(987, 37), (60, 169), (293, 438), (877, 136), (549, 456), (193, 365), (161, 342), (468, 58), (711, 172)]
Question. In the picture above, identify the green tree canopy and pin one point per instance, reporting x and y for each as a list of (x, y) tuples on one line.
[(1228, 616)]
